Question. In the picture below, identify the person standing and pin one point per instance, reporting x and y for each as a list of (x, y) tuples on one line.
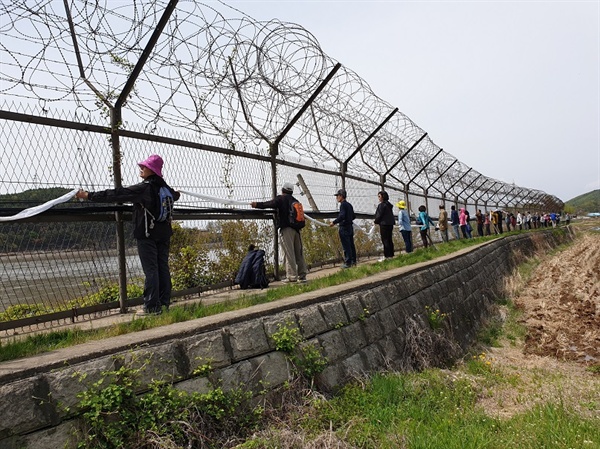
[(153, 237), (404, 225), (463, 219), (291, 240), (487, 222), (424, 231), (345, 228), (479, 218), (455, 222), (443, 223), (384, 217)]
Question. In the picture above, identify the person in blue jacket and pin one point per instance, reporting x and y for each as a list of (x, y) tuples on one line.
[(424, 230), (404, 225)]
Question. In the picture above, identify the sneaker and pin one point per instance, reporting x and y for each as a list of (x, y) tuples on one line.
[(303, 280), (145, 312), (289, 281), (381, 259), (346, 266)]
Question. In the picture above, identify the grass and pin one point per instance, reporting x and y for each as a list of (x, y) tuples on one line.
[(429, 410), (485, 401), (45, 342)]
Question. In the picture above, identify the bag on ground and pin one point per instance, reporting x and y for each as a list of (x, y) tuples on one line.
[(252, 272)]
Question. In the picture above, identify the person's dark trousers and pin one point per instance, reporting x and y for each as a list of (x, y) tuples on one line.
[(347, 238), (387, 240), (480, 229), (154, 256), (407, 237)]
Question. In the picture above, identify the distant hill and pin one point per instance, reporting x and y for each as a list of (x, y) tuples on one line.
[(586, 203)]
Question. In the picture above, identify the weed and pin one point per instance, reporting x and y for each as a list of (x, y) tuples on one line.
[(115, 415), (435, 317), (306, 358)]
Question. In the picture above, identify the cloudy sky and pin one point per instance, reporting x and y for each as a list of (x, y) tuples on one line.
[(511, 88)]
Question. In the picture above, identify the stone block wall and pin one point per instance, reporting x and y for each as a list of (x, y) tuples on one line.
[(364, 326)]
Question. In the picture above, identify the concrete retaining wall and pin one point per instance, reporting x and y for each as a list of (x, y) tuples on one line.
[(361, 327)]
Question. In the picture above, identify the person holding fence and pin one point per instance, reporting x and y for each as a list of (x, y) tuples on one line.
[(455, 222), (291, 240), (153, 235), (404, 225), (443, 223), (384, 217), (424, 230), (345, 228)]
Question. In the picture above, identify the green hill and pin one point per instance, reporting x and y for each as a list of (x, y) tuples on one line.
[(586, 203)]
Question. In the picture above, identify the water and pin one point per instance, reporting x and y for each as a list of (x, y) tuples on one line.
[(55, 278)]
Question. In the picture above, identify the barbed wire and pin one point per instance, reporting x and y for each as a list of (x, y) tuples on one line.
[(218, 72)]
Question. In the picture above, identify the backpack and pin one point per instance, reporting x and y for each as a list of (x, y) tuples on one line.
[(297, 220), (164, 211), (252, 272)]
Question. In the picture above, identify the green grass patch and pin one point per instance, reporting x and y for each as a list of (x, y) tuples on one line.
[(433, 410)]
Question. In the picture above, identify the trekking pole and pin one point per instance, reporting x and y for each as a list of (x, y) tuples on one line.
[(430, 240)]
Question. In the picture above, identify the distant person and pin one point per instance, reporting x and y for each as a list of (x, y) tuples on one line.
[(455, 222), (344, 221), (424, 230), (405, 227), (291, 240), (500, 220), (153, 237), (463, 220), (384, 217), (443, 223), (480, 222), (487, 223)]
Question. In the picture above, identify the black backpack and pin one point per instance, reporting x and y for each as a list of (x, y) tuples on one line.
[(252, 272)]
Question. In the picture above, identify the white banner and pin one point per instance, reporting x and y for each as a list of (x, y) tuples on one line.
[(30, 212)]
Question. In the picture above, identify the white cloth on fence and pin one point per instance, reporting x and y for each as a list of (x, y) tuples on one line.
[(32, 211), (246, 203), (215, 199)]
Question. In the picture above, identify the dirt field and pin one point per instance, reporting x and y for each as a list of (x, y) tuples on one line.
[(560, 355), (562, 304)]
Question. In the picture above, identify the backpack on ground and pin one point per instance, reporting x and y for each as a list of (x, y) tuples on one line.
[(297, 220), (252, 272), (164, 211)]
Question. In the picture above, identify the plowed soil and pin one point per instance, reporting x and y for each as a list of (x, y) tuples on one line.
[(561, 304)]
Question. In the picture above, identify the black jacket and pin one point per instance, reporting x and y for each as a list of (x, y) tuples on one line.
[(282, 204), (142, 195), (384, 215)]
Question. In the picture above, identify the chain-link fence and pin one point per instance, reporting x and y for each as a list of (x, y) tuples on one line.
[(234, 106)]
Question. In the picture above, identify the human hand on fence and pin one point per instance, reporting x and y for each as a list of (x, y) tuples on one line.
[(81, 194)]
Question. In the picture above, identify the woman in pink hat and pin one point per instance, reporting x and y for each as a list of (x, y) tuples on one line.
[(153, 237)]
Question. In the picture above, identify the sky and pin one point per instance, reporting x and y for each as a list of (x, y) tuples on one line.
[(510, 88)]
